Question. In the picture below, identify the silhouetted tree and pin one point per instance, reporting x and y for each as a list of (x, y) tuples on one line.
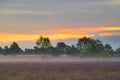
[(84, 44), (29, 51), (14, 48), (95, 46), (73, 51), (6, 50), (62, 47), (92, 47), (108, 48), (1, 50), (43, 42), (99, 45), (118, 51)]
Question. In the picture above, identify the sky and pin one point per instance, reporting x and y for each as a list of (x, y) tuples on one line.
[(25, 20)]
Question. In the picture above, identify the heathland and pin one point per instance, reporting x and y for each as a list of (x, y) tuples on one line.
[(58, 68)]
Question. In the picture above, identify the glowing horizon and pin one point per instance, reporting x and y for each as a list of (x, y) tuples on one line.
[(62, 34)]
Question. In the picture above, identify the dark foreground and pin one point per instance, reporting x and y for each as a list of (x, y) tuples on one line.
[(60, 71)]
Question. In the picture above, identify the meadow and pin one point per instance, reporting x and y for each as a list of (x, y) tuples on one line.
[(12, 68)]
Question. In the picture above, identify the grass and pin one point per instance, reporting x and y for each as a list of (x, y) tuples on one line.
[(60, 71)]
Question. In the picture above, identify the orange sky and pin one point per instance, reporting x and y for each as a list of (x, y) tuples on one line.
[(62, 33)]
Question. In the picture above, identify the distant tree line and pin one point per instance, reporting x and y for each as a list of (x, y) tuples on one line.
[(84, 47)]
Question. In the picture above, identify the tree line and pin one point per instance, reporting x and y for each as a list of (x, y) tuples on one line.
[(84, 47)]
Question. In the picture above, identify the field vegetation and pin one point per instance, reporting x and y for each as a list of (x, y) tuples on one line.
[(60, 71)]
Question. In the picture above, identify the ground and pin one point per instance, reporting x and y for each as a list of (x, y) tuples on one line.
[(58, 68)]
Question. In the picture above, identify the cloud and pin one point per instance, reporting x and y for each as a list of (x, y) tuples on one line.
[(18, 12), (110, 33), (63, 33), (16, 37), (89, 9), (113, 2)]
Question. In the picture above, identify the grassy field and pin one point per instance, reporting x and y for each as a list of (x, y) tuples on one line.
[(60, 70)]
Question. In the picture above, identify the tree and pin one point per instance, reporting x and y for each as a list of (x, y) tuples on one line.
[(99, 45), (73, 51), (108, 48), (39, 41), (14, 48), (29, 51), (43, 42), (62, 47), (83, 44), (104, 53), (118, 51), (36, 49), (6, 50), (90, 46), (1, 50), (96, 46)]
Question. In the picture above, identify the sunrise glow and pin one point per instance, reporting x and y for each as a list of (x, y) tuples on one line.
[(61, 34)]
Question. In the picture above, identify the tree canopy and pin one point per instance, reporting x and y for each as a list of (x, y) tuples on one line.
[(84, 47), (43, 42), (14, 48)]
